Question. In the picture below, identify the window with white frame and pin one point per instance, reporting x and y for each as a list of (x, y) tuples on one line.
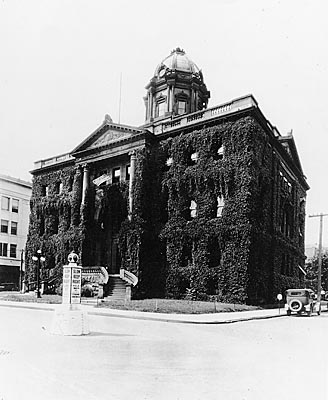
[(14, 205), (4, 226), (3, 249), (13, 228), (220, 205), (5, 203)]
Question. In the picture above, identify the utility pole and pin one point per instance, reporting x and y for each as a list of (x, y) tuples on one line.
[(320, 252)]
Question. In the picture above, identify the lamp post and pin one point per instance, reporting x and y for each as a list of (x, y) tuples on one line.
[(38, 257)]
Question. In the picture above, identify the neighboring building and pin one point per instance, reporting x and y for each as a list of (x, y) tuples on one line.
[(204, 201), (312, 252), (14, 214)]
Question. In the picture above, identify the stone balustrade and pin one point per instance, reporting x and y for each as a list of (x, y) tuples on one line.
[(239, 104), (53, 160)]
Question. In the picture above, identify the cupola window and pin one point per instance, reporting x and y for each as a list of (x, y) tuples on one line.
[(182, 107), (161, 108)]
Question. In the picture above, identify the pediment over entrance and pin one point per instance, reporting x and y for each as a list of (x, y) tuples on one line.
[(108, 133), (109, 137)]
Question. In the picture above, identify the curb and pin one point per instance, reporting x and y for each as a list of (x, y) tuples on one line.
[(50, 307), (183, 321)]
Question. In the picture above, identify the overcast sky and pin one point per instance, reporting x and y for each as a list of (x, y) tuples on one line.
[(61, 62)]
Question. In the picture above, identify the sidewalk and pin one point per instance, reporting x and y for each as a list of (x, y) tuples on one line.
[(214, 318)]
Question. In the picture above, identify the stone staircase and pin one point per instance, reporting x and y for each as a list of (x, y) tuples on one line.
[(117, 288)]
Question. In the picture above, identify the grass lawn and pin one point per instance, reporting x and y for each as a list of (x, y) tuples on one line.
[(169, 306)]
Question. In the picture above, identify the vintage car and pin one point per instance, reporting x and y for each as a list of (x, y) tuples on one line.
[(301, 301)]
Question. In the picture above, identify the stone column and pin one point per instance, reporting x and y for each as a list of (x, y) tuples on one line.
[(132, 174), (172, 99), (151, 105), (85, 185), (192, 101), (168, 99)]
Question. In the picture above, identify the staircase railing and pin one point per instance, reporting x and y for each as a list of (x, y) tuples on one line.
[(128, 277)]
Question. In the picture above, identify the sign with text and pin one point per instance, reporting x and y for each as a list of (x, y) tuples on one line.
[(72, 276), (76, 285)]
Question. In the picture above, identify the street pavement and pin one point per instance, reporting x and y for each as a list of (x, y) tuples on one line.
[(127, 356)]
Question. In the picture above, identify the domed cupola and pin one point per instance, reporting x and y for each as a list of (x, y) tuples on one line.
[(177, 88)]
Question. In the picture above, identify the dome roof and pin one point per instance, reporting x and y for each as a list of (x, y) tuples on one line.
[(177, 60)]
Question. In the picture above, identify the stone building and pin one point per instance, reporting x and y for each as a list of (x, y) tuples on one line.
[(14, 214), (197, 201)]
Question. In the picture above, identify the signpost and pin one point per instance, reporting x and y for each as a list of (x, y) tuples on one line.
[(279, 298), (69, 319)]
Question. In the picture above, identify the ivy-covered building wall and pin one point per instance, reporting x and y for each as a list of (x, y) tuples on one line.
[(216, 214), (196, 203)]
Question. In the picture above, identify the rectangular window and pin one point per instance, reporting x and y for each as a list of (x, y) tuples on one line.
[(5, 203), (13, 250), (116, 175), (220, 205), (13, 228), (3, 249), (193, 209), (14, 205), (4, 226), (161, 108), (127, 172), (45, 190)]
